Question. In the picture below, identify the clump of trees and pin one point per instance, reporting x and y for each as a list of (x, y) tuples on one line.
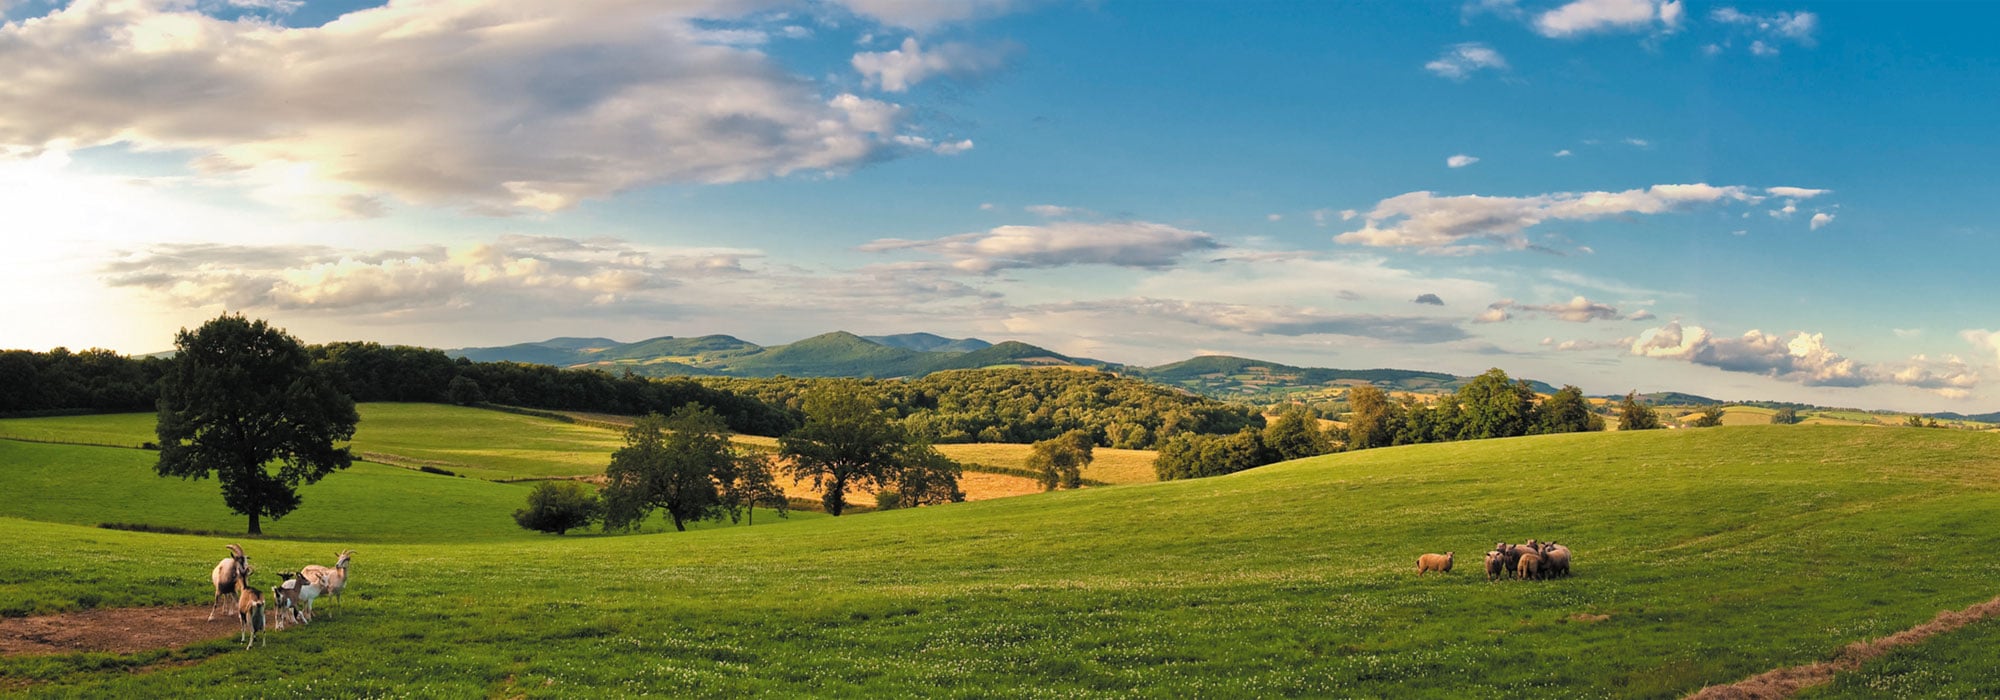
[(1710, 417), (560, 506), (684, 465), (1633, 415), (60, 381), (848, 441), (1192, 456), (1785, 416), (1059, 461), (1492, 405), (240, 398)]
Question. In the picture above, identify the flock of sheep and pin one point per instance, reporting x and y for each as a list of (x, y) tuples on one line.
[(1532, 560), (296, 593)]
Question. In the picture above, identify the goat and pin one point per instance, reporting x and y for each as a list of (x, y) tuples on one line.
[(295, 594), (249, 609), (225, 576), (332, 580)]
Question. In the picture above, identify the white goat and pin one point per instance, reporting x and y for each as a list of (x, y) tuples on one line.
[(226, 575), (331, 581), (249, 609), (296, 594)]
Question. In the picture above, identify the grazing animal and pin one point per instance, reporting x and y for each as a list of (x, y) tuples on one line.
[(1496, 565), (1555, 560), (1511, 557), (333, 580), (249, 610), (1530, 566), (226, 575), (1440, 563), (295, 594)]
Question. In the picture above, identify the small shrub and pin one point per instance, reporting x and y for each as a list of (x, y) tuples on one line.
[(560, 506), (887, 500), (154, 446)]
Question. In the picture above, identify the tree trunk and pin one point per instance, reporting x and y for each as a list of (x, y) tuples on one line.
[(835, 498), (679, 526), (255, 529)]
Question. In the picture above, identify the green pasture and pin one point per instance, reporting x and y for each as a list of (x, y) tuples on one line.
[(1715, 554), (475, 442), (367, 502)]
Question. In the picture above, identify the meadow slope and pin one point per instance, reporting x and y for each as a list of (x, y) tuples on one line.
[(1710, 555)]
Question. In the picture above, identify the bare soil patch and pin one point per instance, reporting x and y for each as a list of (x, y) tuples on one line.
[(114, 630), (1786, 682)]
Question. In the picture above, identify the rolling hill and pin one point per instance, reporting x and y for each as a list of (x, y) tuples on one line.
[(1703, 557)]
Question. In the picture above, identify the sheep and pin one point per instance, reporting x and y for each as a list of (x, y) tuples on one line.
[(1555, 559), (1530, 566), (1496, 564), (332, 580), (296, 594), (1511, 557), (249, 609), (1434, 562), (225, 576)]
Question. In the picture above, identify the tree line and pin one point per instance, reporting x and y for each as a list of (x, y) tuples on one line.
[(1492, 405), (1021, 405)]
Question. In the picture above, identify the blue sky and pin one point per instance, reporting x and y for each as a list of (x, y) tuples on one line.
[(1764, 201)]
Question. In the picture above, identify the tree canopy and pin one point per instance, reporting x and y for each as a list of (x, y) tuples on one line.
[(1633, 415), (1060, 460), (685, 466), (240, 396)]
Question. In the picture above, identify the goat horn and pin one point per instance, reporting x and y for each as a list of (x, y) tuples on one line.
[(235, 549)]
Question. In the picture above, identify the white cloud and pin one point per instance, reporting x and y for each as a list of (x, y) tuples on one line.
[(1794, 192), (1126, 244), (986, 206), (1475, 223), (1640, 315), (898, 69), (1459, 161), (1576, 310), (1564, 153), (1274, 217), (1590, 16), (1819, 220), (1638, 142), (404, 101), (1766, 30), (512, 274), (1908, 332), (1785, 212), (1461, 61), (1803, 358), (1984, 340), (1276, 320)]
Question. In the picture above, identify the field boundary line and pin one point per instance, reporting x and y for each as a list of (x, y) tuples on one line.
[(72, 442), (1788, 681)]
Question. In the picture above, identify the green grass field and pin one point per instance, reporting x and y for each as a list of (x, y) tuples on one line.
[(475, 442), (1715, 554), (364, 503)]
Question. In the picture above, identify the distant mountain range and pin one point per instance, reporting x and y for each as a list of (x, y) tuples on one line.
[(843, 354)]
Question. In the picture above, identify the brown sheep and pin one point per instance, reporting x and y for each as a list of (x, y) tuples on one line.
[(1530, 566), (1555, 560), (1496, 565), (1434, 562), (1511, 553)]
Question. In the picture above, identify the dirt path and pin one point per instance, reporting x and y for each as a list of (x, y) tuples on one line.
[(1786, 682), (115, 630)]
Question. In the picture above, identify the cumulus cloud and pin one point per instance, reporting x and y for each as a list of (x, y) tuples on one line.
[(1819, 220), (1431, 299), (1459, 161), (1592, 16), (510, 274), (479, 104), (1475, 223), (898, 69), (1564, 153), (1984, 340), (1126, 244), (1276, 320), (1576, 310), (1461, 61), (1803, 358)]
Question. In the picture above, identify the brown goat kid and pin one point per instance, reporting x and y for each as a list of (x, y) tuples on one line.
[(1440, 563), (249, 610)]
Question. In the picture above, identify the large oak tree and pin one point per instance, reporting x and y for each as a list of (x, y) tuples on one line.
[(244, 402)]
